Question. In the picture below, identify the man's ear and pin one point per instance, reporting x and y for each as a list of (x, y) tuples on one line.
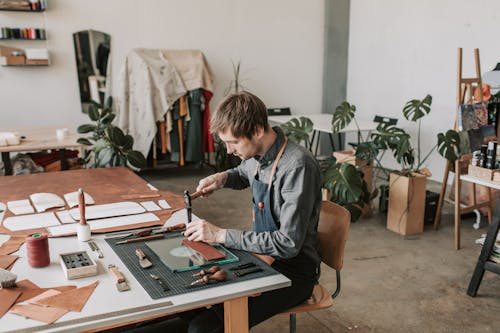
[(259, 133)]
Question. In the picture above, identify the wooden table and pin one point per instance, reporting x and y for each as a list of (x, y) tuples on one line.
[(36, 139), (322, 123), (106, 307)]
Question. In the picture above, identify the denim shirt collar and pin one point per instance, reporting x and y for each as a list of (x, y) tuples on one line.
[(270, 155)]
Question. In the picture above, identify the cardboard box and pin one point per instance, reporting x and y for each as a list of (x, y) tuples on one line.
[(406, 204), (37, 61), (483, 173)]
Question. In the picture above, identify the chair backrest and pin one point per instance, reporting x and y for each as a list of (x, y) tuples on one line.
[(385, 120), (279, 112), (334, 221)]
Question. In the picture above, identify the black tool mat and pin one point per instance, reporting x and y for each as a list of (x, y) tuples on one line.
[(179, 283)]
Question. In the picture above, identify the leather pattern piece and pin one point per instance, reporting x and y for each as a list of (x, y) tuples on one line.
[(7, 298), (45, 294), (11, 245), (30, 290), (6, 261), (44, 314), (71, 300), (206, 250)]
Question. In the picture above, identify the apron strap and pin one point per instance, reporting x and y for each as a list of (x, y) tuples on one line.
[(275, 164)]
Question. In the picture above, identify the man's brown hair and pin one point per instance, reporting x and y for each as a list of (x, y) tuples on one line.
[(242, 113)]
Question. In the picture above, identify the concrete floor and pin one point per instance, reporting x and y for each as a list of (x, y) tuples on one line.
[(391, 283)]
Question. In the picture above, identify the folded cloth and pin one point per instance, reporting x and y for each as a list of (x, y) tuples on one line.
[(9, 139)]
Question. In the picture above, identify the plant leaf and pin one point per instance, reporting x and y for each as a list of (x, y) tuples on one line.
[(116, 135), (93, 112), (104, 157), (416, 109), (344, 182), (342, 116), (367, 151), (84, 141), (298, 129), (449, 145), (128, 142), (136, 159), (86, 128)]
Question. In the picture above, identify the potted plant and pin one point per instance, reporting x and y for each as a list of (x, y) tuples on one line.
[(407, 186), (108, 145)]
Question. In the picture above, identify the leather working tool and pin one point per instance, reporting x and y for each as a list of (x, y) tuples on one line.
[(243, 266), (93, 246), (121, 282), (209, 271), (161, 282), (150, 231), (218, 276), (187, 201), (243, 273), (140, 239), (143, 260)]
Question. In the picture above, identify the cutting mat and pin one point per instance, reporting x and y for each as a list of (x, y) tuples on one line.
[(178, 282)]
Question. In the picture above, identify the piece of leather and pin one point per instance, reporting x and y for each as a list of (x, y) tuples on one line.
[(11, 245), (30, 290), (106, 185), (45, 294), (206, 250), (44, 314), (7, 298), (6, 261), (71, 300)]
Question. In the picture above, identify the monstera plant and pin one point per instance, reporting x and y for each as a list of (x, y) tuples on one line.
[(298, 130), (108, 145)]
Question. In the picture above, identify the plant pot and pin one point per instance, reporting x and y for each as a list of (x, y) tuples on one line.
[(406, 204)]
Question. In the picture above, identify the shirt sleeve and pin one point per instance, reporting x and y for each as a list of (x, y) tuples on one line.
[(296, 216), (237, 178)]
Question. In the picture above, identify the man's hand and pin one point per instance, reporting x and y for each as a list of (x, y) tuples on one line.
[(205, 231), (212, 183)]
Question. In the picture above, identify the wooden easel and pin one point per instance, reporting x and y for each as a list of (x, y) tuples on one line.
[(465, 88)]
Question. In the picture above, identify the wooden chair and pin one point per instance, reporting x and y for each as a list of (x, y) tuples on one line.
[(333, 226)]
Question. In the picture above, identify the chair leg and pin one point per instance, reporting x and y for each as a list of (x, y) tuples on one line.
[(293, 321)]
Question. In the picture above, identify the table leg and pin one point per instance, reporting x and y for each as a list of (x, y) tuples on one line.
[(457, 205), (488, 245), (64, 161), (7, 164), (236, 315)]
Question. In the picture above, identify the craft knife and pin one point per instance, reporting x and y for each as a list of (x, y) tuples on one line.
[(243, 266), (243, 273), (161, 282)]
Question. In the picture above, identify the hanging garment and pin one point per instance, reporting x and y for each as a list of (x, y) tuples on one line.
[(149, 85)]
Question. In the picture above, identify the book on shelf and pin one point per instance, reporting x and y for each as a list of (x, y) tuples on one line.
[(489, 133), (481, 114)]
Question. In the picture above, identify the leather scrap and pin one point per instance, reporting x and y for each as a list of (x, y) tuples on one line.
[(45, 294), (206, 250), (6, 261), (7, 298), (44, 314), (30, 290), (71, 300), (11, 245)]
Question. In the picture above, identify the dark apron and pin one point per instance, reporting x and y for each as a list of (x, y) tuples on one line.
[(299, 267)]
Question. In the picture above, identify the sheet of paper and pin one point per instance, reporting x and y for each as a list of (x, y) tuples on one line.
[(150, 206), (164, 204), (108, 210), (19, 207), (44, 201), (59, 230), (65, 217), (33, 221), (72, 199)]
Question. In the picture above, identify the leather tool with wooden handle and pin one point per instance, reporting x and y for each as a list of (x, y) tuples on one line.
[(143, 260), (121, 282)]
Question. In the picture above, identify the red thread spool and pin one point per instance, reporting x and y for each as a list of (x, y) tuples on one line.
[(38, 250)]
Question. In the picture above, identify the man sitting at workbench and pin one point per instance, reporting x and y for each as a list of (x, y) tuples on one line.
[(286, 186)]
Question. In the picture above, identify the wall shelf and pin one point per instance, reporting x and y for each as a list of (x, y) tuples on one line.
[(23, 10)]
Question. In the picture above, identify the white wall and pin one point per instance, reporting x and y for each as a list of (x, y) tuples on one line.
[(279, 43), (400, 50)]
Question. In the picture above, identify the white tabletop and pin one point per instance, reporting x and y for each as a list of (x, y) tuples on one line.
[(323, 123), (480, 181), (41, 139), (106, 306)]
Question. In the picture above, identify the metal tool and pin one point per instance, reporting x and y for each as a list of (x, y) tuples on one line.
[(187, 201), (121, 282), (243, 273), (161, 282), (149, 231), (209, 271), (143, 260), (243, 266), (217, 277), (95, 248), (141, 239)]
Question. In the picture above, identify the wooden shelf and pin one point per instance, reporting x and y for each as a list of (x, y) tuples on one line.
[(41, 39), (27, 65), (23, 10)]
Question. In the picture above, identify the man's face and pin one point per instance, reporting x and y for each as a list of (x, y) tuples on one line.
[(243, 147)]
